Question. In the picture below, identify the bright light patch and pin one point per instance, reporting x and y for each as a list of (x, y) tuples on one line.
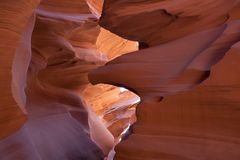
[(137, 100), (122, 89), (125, 130)]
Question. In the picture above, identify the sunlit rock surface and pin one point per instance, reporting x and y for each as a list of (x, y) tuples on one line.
[(115, 106), (73, 74), (176, 120)]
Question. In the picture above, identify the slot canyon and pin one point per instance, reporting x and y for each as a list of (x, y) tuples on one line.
[(119, 80)]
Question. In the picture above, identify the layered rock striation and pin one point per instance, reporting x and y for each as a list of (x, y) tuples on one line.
[(72, 74)]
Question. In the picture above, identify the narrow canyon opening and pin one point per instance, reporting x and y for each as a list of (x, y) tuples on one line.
[(115, 107)]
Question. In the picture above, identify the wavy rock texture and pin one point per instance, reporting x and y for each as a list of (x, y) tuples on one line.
[(14, 18), (180, 57), (163, 18), (190, 125), (66, 44), (115, 106), (200, 124)]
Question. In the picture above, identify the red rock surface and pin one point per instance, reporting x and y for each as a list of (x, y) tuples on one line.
[(180, 57), (176, 120), (198, 124), (14, 18)]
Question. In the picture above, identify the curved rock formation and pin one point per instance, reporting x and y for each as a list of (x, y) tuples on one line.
[(200, 124), (66, 44), (165, 130), (180, 57), (15, 18)]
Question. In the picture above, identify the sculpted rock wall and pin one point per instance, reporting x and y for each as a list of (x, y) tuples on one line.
[(157, 22), (51, 132), (161, 50), (193, 124), (49, 74), (14, 18), (199, 124), (115, 106)]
